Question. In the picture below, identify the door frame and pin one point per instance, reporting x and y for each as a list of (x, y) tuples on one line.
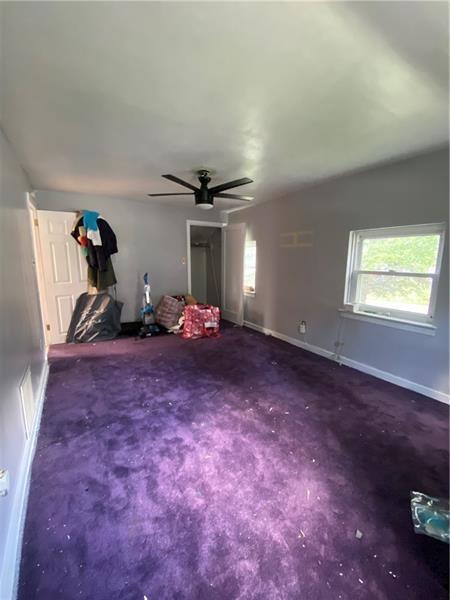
[(38, 264), (189, 224)]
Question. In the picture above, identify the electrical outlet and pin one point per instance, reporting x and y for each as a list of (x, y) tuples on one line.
[(302, 327), (4, 482)]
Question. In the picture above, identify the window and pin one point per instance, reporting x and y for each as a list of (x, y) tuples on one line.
[(394, 272), (249, 267)]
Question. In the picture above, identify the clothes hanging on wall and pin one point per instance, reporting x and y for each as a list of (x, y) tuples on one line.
[(80, 236), (102, 279), (90, 219), (98, 254), (99, 242), (90, 225)]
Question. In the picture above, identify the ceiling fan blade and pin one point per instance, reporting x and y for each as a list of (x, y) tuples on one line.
[(231, 184), (181, 182), (176, 194), (234, 196)]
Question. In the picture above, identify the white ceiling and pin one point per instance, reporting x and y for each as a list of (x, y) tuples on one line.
[(103, 98)]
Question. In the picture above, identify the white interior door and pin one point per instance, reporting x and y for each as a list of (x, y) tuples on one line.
[(64, 271), (233, 243)]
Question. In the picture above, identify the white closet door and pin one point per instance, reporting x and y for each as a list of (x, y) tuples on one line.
[(65, 270), (233, 243)]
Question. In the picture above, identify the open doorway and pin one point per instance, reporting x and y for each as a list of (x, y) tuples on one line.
[(205, 262)]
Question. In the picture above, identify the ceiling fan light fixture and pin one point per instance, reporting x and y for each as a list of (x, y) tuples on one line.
[(205, 205)]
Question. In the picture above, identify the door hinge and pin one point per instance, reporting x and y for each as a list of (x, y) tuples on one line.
[(36, 222), (48, 327)]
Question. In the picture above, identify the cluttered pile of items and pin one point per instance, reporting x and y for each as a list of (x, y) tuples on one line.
[(96, 316), (178, 314)]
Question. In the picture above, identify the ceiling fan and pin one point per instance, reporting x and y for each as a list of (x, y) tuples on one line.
[(204, 196)]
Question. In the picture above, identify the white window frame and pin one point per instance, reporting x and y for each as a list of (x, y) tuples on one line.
[(353, 270), (248, 291)]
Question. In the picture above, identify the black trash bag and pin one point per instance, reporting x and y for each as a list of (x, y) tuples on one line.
[(96, 318)]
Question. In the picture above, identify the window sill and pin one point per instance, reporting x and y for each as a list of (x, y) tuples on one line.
[(250, 294), (414, 326)]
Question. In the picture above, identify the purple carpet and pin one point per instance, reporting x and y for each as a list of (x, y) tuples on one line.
[(225, 469)]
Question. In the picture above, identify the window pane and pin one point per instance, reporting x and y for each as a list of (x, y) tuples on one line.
[(410, 294), (250, 266), (413, 254)]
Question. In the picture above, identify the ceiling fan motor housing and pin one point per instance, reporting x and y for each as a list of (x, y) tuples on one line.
[(203, 198)]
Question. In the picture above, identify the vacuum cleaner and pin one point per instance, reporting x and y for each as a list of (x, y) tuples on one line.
[(149, 326)]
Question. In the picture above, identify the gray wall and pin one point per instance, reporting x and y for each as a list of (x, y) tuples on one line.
[(21, 334), (307, 282), (151, 237)]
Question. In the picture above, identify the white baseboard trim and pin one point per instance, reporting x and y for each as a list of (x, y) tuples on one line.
[(395, 379), (349, 362), (227, 316), (9, 578), (290, 340)]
